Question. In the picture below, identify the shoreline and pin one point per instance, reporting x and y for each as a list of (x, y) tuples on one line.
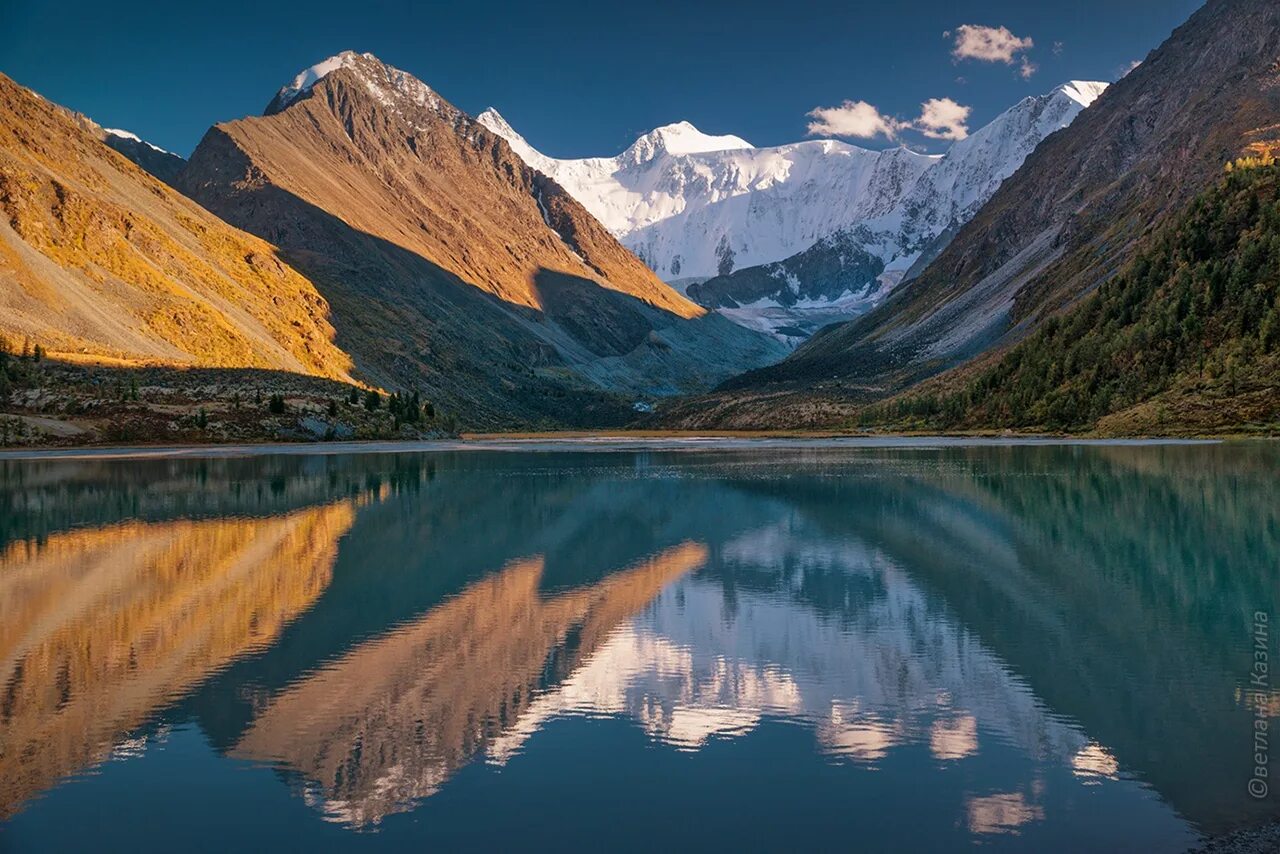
[(583, 442), (1248, 840)]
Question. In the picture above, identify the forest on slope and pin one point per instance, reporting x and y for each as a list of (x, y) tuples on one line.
[(1185, 339)]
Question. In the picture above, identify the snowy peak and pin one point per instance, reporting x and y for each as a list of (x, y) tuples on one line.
[(692, 205), (388, 84), (494, 121), (308, 77), (679, 138), (684, 138), (676, 139), (1083, 92), (974, 167)]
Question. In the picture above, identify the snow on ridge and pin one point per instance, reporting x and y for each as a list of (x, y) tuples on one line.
[(391, 86), (683, 138), (308, 77), (124, 134), (694, 205), (1083, 92), (494, 121)]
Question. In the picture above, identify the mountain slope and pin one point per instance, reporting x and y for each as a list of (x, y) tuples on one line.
[(100, 260), (811, 211), (1188, 335), (831, 281), (1071, 217), (417, 159), (165, 165), (451, 265)]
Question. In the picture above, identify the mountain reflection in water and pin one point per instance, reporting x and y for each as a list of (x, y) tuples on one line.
[(100, 627), (390, 721), (1033, 646)]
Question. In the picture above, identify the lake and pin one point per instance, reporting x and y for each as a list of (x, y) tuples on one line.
[(784, 645)]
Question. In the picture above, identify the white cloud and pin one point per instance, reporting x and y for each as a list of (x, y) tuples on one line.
[(940, 118), (853, 118), (943, 118), (992, 44), (1129, 68), (1026, 68)]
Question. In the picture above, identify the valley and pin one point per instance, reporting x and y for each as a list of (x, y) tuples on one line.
[(365, 235), (716, 427)]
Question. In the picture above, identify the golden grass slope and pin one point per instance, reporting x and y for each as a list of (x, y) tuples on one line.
[(429, 179), (99, 259)]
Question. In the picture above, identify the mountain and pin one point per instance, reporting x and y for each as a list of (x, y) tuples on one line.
[(99, 260), (1185, 339), (694, 206), (1082, 205), (832, 280), (165, 165), (811, 211), (452, 266)]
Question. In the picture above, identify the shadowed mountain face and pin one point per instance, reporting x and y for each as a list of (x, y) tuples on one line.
[(1067, 220), (450, 264), (794, 297), (977, 626), (100, 260), (165, 165)]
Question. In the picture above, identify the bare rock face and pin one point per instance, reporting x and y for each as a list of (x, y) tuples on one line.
[(1072, 215), (100, 261), (793, 298), (452, 266)]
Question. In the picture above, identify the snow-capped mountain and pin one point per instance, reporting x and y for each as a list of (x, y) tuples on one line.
[(432, 237), (695, 207), (974, 167), (390, 86)]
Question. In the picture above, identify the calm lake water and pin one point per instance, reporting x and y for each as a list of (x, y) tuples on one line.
[(1022, 647)]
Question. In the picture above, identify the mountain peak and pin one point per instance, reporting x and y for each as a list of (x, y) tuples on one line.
[(385, 82), (308, 77), (494, 121), (680, 138), (1083, 92), (683, 138)]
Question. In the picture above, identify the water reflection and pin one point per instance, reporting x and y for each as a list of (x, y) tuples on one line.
[(98, 628), (870, 668), (1038, 643), (388, 723)]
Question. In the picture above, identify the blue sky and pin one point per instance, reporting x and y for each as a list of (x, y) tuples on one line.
[(580, 78)]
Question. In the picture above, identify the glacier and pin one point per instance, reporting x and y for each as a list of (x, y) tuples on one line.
[(696, 207)]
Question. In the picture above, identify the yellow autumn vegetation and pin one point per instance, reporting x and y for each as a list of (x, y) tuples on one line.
[(98, 258)]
